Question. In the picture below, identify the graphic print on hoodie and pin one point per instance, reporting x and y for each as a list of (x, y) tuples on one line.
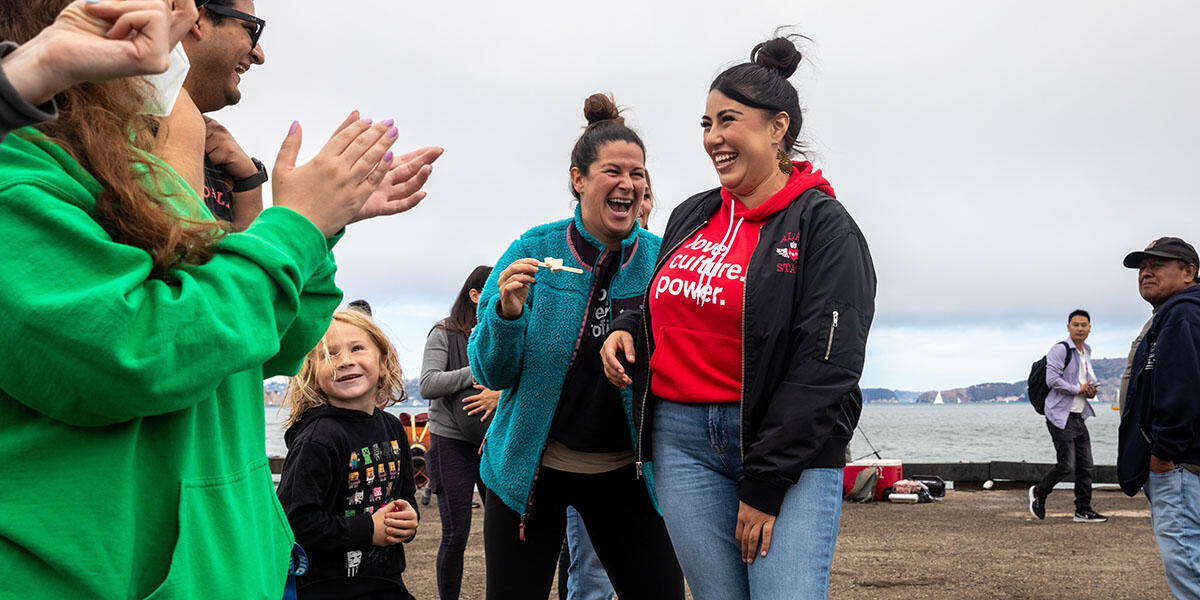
[(342, 466), (696, 298)]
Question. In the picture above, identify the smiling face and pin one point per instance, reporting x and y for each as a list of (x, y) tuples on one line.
[(347, 367), (220, 52), (1161, 278), (743, 143), (610, 194)]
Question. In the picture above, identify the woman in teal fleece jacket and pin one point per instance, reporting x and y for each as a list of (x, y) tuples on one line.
[(562, 435), (136, 338)]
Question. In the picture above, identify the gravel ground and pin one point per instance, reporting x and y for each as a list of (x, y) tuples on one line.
[(975, 544)]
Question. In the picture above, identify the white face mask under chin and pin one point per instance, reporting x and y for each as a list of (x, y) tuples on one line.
[(166, 85)]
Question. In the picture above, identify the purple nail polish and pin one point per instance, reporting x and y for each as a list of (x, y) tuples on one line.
[(367, 121), (389, 122), (387, 157), (292, 129), (392, 132)]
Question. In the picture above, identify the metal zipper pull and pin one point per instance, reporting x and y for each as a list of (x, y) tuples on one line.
[(832, 327), (637, 466)]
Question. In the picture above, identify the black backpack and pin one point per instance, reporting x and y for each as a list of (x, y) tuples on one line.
[(1038, 390)]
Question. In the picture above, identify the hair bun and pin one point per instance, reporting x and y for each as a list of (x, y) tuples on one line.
[(601, 107), (778, 54)]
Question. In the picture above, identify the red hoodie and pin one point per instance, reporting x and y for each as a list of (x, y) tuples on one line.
[(696, 298)]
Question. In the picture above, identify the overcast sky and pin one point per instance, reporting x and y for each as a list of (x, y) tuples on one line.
[(1001, 158)]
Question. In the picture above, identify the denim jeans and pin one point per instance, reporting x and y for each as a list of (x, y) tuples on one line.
[(697, 468), (1175, 514), (586, 578)]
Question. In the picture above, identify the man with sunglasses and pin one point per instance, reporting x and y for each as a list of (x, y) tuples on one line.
[(221, 47)]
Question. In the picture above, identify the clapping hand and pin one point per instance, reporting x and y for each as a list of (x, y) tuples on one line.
[(401, 186), (331, 189)]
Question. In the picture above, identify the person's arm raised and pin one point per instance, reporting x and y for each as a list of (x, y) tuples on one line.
[(332, 188), (98, 41)]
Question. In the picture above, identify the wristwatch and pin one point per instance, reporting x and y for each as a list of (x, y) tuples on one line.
[(253, 181)]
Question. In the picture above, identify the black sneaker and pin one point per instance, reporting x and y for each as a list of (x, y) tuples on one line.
[(1037, 504), (1089, 516)]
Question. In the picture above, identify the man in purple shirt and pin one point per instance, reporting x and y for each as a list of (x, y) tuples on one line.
[(1072, 381)]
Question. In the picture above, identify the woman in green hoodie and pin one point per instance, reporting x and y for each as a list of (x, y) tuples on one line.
[(136, 338)]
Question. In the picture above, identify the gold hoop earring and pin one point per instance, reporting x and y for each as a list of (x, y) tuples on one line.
[(785, 162)]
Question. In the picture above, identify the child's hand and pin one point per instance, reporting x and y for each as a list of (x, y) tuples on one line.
[(401, 522), (379, 536)]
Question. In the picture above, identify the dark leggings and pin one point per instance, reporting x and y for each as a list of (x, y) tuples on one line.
[(454, 466), (628, 535)]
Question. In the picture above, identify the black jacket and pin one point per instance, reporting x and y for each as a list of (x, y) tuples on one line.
[(1162, 406), (805, 324), (341, 466)]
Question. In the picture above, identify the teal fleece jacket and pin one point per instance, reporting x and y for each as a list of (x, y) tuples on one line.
[(528, 357), (132, 429)]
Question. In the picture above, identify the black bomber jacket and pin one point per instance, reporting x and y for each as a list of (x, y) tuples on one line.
[(804, 336)]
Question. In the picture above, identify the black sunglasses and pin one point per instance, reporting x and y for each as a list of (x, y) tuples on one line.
[(225, 11)]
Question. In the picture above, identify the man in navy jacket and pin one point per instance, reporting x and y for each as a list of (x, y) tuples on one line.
[(1159, 447)]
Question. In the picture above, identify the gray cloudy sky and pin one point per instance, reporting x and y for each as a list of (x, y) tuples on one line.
[(1001, 158)]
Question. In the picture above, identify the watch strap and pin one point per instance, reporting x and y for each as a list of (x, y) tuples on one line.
[(253, 181)]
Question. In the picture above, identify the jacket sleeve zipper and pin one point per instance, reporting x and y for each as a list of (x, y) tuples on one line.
[(832, 327), (637, 463)]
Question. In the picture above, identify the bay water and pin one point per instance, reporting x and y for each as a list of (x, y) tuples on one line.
[(921, 433)]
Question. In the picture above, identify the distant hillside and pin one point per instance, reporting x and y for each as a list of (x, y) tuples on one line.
[(1108, 371), (887, 396), (412, 387)]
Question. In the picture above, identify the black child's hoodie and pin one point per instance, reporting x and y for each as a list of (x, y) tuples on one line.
[(341, 466)]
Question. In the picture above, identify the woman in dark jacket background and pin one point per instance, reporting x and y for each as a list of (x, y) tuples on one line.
[(749, 349), (455, 428)]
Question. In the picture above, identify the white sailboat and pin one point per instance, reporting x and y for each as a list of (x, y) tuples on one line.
[(938, 399)]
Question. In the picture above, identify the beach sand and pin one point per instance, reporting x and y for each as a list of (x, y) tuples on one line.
[(975, 544)]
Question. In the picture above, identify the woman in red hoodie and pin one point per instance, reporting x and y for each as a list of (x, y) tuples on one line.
[(746, 356)]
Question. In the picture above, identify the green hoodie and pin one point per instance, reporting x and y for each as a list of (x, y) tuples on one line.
[(132, 429)]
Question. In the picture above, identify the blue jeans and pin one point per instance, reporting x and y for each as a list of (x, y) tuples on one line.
[(697, 469), (1175, 514), (586, 579)]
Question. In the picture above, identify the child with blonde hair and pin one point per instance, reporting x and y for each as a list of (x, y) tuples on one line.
[(347, 485)]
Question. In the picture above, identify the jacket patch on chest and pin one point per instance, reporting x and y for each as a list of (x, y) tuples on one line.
[(788, 252)]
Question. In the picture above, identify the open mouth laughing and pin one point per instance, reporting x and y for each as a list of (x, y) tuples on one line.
[(722, 160), (620, 206)]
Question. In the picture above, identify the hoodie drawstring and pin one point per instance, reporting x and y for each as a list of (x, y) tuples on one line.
[(719, 258)]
